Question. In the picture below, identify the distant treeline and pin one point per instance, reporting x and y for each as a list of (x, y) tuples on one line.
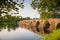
[(8, 19), (11, 22)]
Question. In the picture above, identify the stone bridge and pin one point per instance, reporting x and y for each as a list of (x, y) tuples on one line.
[(31, 25)]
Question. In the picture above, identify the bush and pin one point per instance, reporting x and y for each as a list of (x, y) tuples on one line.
[(55, 35)]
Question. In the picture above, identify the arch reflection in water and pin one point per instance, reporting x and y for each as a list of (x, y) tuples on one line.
[(18, 34)]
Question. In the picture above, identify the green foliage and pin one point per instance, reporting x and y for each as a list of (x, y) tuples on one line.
[(46, 23), (55, 35), (45, 15), (8, 5), (10, 22), (46, 27), (26, 18), (50, 6), (56, 15)]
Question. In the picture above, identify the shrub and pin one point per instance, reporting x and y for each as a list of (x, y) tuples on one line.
[(55, 35)]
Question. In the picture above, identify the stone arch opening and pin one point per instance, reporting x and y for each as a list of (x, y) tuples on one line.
[(46, 26), (58, 26), (37, 26)]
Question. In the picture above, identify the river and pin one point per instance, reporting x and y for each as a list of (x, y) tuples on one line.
[(18, 34)]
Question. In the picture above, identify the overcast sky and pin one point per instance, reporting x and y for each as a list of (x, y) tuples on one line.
[(28, 11)]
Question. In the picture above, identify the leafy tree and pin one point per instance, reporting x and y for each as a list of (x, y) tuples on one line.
[(28, 17), (55, 15), (45, 15), (7, 5), (49, 6), (11, 22)]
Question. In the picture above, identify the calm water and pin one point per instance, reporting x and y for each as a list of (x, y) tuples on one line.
[(18, 34)]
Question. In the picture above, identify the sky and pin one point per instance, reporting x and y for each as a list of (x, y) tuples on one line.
[(28, 11)]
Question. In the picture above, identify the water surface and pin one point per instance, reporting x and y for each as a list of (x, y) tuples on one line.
[(18, 34)]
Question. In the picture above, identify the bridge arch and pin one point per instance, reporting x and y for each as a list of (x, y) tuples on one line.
[(46, 26), (58, 26)]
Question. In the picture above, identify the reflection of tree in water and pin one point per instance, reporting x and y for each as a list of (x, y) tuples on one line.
[(9, 27), (37, 25), (9, 22)]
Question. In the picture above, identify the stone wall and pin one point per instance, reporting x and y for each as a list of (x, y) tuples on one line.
[(31, 25)]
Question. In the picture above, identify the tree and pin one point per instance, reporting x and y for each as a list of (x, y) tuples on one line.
[(7, 5), (45, 15), (49, 6)]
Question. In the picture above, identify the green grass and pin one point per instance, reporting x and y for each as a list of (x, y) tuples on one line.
[(55, 35)]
